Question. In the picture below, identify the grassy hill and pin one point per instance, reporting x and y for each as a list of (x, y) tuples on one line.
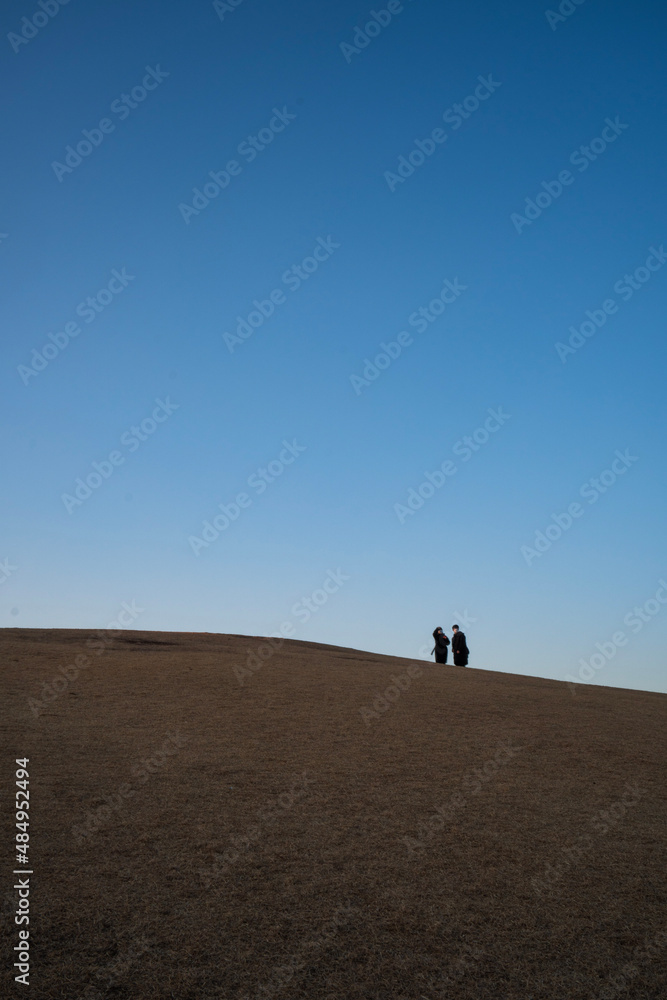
[(214, 817)]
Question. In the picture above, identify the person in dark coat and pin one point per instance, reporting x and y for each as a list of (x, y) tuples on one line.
[(441, 643), (459, 647)]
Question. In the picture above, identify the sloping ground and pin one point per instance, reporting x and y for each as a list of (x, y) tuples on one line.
[(472, 835)]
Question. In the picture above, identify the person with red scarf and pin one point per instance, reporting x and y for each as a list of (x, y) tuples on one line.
[(441, 644)]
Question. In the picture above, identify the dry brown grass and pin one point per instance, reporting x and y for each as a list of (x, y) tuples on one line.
[(150, 906)]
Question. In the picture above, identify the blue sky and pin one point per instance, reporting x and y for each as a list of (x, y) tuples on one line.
[(480, 205)]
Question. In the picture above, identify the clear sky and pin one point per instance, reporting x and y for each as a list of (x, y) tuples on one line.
[(466, 183)]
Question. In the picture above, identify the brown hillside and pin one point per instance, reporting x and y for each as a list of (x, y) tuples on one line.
[(474, 835)]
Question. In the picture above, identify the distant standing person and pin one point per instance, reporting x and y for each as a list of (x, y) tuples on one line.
[(459, 647), (441, 643)]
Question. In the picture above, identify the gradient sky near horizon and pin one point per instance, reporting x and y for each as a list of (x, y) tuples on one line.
[(329, 177)]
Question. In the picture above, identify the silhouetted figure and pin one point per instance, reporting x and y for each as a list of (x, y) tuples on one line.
[(441, 644), (459, 647)]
